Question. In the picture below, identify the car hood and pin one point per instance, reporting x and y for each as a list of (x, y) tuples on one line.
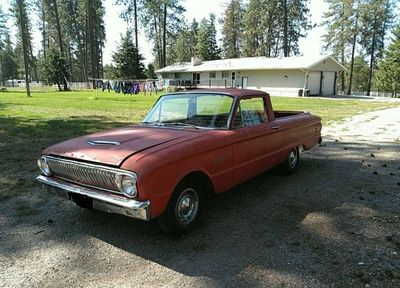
[(114, 146)]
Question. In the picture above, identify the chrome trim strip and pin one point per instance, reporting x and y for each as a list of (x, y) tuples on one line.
[(101, 142), (103, 201)]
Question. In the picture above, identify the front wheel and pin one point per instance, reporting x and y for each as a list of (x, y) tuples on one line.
[(183, 209), (292, 162)]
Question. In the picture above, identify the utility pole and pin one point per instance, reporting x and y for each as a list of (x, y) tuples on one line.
[(24, 44)]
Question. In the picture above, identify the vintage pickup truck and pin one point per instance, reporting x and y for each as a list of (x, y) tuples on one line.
[(188, 147)]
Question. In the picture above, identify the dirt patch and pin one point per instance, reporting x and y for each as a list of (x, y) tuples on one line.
[(335, 223)]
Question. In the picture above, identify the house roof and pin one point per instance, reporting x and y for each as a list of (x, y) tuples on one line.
[(251, 63)]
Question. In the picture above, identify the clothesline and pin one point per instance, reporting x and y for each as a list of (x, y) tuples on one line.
[(123, 80), (130, 86)]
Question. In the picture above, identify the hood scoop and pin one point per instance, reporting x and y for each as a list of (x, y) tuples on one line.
[(101, 142)]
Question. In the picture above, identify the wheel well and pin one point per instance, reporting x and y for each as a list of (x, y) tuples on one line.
[(203, 179)]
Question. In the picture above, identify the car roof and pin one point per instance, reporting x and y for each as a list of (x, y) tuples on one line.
[(227, 91)]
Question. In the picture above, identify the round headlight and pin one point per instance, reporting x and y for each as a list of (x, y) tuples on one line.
[(128, 185), (44, 166)]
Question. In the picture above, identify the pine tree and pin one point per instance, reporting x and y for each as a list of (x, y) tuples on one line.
[(232, 29), (360, 78), (3, 28), (253, 28), (20, 11), (181, 50), (274, 27), (55, 69), (194, 29), (22, 19), (388, 75), (373, 30), (338, 26), (125, 59), (162, 19), (9, 66), (206, 47)]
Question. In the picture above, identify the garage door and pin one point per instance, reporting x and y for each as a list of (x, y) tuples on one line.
[(328, 83), (313, 82)]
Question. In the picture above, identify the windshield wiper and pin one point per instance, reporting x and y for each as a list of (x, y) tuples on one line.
[(152, 123), (180, 124)]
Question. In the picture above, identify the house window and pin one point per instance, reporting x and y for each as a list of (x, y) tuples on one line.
[(177, 76), (225, 74), (213, 74)]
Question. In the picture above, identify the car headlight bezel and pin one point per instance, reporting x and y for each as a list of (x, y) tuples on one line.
[(44, 166), (127, 184)]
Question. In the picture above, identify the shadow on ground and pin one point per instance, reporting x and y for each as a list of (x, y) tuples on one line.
[(326, 225)]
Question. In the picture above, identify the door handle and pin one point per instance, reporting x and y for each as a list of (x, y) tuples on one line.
[(276, 127)]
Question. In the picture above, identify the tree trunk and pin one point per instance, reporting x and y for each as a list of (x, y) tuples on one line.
[(353, 49), (164, 48), (158, 48), (60, 43), (32, 61), (285, 30), (70, 61), (91, 38), (44, 30), (81, 51), (136, 32), (371, 64), (24, 46)]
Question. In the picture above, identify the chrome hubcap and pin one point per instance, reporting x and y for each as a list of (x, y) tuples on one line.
[(293, 158), (187, 206)]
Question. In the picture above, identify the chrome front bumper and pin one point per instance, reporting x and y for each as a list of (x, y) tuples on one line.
[(103, 201)]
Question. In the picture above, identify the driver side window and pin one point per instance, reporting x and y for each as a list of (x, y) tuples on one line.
[(250, 112)]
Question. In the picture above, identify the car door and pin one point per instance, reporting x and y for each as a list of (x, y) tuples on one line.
[(253, 140)]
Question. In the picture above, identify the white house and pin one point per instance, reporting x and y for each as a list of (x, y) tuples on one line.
[(288, 76)]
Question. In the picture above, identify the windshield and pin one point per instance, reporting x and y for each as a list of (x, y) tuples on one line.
[(197, 110)]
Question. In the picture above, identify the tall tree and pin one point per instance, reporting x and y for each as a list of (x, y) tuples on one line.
[(232, 29), (360, 74), (339, 38), (3, 33), (388, 75), (162, 21), (373, 31), (55, 69), (206, 47), (194, 28), (8, 63), (60, 38), (181, 50), (130, 14), (125, 62), (274, 27), (21, 11), (3, 28)]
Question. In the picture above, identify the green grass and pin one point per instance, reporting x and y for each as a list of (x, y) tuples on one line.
[(27, 125)]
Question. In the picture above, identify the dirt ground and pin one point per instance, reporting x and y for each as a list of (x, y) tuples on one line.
[(335, 223)]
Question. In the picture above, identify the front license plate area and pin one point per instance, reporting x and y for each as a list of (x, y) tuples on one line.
[(54, 190)]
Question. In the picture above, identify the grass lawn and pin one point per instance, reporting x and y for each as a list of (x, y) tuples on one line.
[(27, 125)]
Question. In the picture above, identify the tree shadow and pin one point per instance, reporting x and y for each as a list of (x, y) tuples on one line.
[(307, 229)]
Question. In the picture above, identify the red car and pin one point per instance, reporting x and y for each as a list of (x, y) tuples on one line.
[(189, 146)]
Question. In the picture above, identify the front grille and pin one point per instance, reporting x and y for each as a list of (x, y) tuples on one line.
[(86, 174)]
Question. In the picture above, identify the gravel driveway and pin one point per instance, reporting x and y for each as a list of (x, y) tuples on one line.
[(335, 223)]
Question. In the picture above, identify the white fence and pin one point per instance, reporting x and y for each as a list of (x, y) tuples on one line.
[(371, 94)]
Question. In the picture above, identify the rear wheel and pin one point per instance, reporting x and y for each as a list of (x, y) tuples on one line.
[(292, 162), (183, 209)]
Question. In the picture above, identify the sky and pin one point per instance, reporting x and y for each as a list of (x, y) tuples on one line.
[(198, 9)]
